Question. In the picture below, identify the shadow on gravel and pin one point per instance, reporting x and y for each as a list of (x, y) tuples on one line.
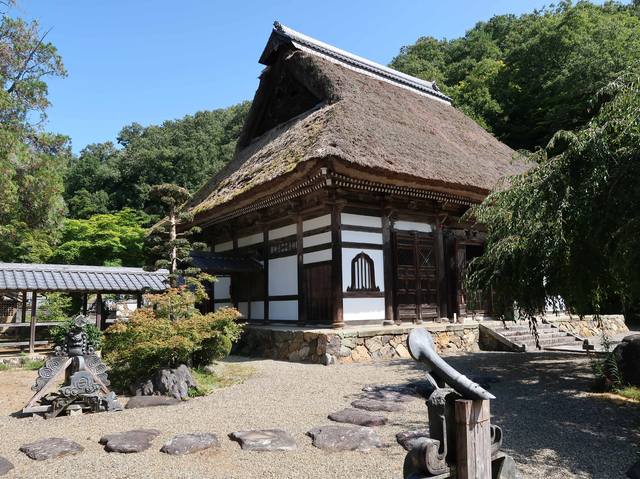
[(547, 416)]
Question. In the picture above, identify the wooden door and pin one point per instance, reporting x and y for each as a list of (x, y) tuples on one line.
[(416, 279), (317, 293), (466, 251)]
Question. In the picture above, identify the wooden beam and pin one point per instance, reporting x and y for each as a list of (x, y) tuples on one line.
[(32, 335), (473, 439), (302, 300), (336, 266), (387, 263), (265, 255), (49, 383)]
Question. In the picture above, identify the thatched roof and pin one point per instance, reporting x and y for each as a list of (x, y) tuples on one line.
[(365, 123)]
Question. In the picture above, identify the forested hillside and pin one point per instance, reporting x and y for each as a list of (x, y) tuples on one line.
[(524, 78)]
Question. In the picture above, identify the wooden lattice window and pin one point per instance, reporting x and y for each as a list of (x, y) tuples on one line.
[(363, 277)]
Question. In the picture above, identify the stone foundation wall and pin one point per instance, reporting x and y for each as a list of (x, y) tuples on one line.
[(589, 327), (330, 347)]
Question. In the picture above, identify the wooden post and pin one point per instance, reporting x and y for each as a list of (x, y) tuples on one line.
[(473, 438), (139, 301), (265, 256), (84, 304), (32, 326), (99, 311), (302, 300), (336, 264), (23, 316), (441, 273), (387, 262)]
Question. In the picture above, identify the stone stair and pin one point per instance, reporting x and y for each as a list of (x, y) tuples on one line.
[(550, 337)]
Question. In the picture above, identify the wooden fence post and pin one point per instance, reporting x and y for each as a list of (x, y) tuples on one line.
[(32, 326), (473, 437)]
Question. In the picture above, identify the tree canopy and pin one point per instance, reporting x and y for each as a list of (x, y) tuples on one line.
[(524, 78), (570, 226), (31, 160), (186, 152)]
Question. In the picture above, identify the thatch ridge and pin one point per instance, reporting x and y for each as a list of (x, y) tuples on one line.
[(371, 124)]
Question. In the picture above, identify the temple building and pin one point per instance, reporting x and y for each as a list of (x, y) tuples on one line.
[(342, 205)]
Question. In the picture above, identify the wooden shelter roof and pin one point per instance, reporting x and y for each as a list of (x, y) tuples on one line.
[(367, 120)]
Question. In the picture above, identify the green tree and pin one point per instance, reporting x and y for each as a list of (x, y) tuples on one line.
[(570, 226), (31, 160), (103, 240)]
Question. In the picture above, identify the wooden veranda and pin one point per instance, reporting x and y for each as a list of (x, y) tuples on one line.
[(20, 280)]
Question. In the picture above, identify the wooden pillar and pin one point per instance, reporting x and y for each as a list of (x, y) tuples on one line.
[(336, 264), (23, 316), (441, 272), (265, 255), (473, 439), (302, 300), (99, 311), (32, 326), (84, 304), (139, 300), (387, 262)]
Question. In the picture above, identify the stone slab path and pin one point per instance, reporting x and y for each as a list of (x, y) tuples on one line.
[(345, 438), (264, 440), (189, 443), (137, 440), (51, 448), (5, 466), (356, 416)]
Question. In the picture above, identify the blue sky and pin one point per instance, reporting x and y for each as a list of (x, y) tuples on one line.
[(148, 61)]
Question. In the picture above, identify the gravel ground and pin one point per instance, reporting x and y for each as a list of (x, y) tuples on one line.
[(552, 428)]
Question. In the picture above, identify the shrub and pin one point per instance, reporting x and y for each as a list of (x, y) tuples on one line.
[(170, 332)]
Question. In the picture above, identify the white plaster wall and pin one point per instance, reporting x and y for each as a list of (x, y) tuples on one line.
[(243, 307), (219, 248), (217, 306), (283, 310), (361, 220), (257, 310), (221, 288), (283, 276), (282, 232), (413, 226), (362, 309), (315, 240), (319, 222), (316, 256), (347, 256), (249, 240), (361, 237)]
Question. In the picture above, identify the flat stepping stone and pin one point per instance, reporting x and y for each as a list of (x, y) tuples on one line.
[(388, 396), (375, 405), (395, 389), (51, 448), (137, 440), (344, 438), (408, 438), (151, 401), (188, 443), (5, 466), (264, 440), (359, 417)]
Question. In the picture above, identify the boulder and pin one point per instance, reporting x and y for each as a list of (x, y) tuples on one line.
[(345, 438), (408, 438), (171, 382), (628, 355), (356, 416), (264, 440), (151, 401), (5, 466), (137, 440), (374, 405), (634, 472), (188, 443), (50, 448)]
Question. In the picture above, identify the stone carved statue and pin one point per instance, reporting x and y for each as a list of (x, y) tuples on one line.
[(435, 457), (85, 375)]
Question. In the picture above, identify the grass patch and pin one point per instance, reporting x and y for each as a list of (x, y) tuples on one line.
[(219, 375), (630, 392), (5, 367), (30, 364)]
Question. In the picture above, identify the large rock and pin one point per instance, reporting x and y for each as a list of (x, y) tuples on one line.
[(356, 416), (50, 448), (188, 443), (151, 401), (344, 438), (388, 396), (374, 405), (165, 382), (264, 440), (408, 438), (137, 440), (5, 466), (634, 472), (628, 355)]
